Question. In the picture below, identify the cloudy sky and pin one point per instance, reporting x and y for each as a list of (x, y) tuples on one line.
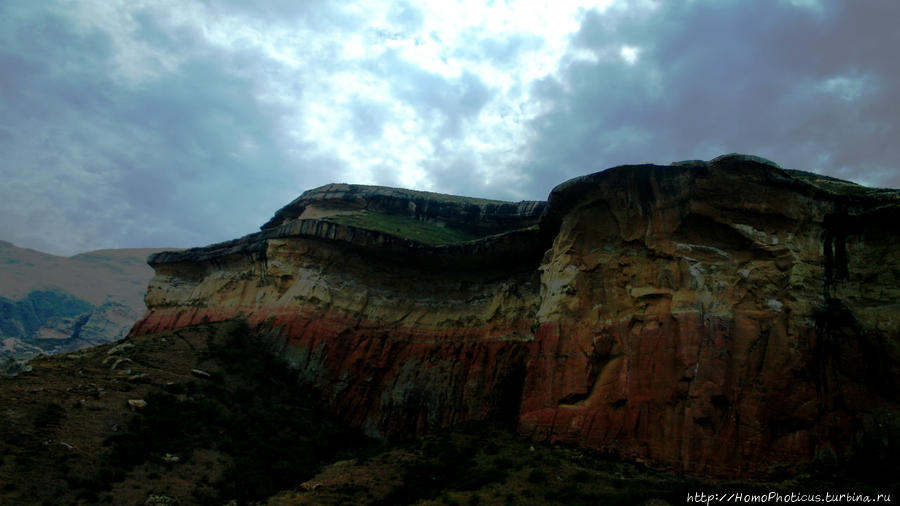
[(180, 123)]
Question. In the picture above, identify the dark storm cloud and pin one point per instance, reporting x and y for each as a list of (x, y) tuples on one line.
[(49, 72), (95, 160), (809, 88), (150, 126)]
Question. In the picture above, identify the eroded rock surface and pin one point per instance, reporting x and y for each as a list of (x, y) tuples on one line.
[(726, 318)]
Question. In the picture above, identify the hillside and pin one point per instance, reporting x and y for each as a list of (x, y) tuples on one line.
[(51, 304)]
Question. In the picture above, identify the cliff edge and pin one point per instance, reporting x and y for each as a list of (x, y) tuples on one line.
[(726, 318)]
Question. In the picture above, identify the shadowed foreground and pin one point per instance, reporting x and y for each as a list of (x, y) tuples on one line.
[(205, 415)]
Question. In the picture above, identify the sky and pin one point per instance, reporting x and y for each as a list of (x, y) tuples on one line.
[(179, 123)]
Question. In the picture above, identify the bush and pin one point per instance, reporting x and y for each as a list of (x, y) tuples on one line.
[(48, 415), (276, 432), (537, 476)]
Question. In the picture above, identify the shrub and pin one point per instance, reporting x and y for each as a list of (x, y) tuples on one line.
[(537, 476), (49, 414), (275, 431)]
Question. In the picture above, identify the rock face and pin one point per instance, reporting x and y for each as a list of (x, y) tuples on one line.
[(723, 318), (726, 318), (400, 336)]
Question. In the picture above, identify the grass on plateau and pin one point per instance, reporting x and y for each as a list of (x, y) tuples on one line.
[(424, 232)]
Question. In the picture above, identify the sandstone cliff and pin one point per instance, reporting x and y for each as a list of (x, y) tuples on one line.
[(727, 318)]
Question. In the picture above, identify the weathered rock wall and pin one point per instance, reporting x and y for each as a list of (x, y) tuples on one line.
[(396, 347), (727, 318), (723, 318)]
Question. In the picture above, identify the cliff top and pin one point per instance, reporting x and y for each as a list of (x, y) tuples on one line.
[(339, 198), (746, 166), (397, 219), (733, 172), (433, 219)]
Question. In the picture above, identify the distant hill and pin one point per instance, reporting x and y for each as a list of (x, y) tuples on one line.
[(52, 304)]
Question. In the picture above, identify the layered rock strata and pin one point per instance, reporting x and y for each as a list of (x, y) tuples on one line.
[(399, 335), (727, 318), (478, 216), (724, 318)]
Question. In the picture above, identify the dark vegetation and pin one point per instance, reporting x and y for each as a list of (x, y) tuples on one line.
[(274, 431), (22, 318), (404, 226), (48, 415), (481, 464), (838, 186)]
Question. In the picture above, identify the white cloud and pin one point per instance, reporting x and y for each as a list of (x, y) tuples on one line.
[(372, 62), (416, 63), (846, 88), (814, 5), (629, 54)]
